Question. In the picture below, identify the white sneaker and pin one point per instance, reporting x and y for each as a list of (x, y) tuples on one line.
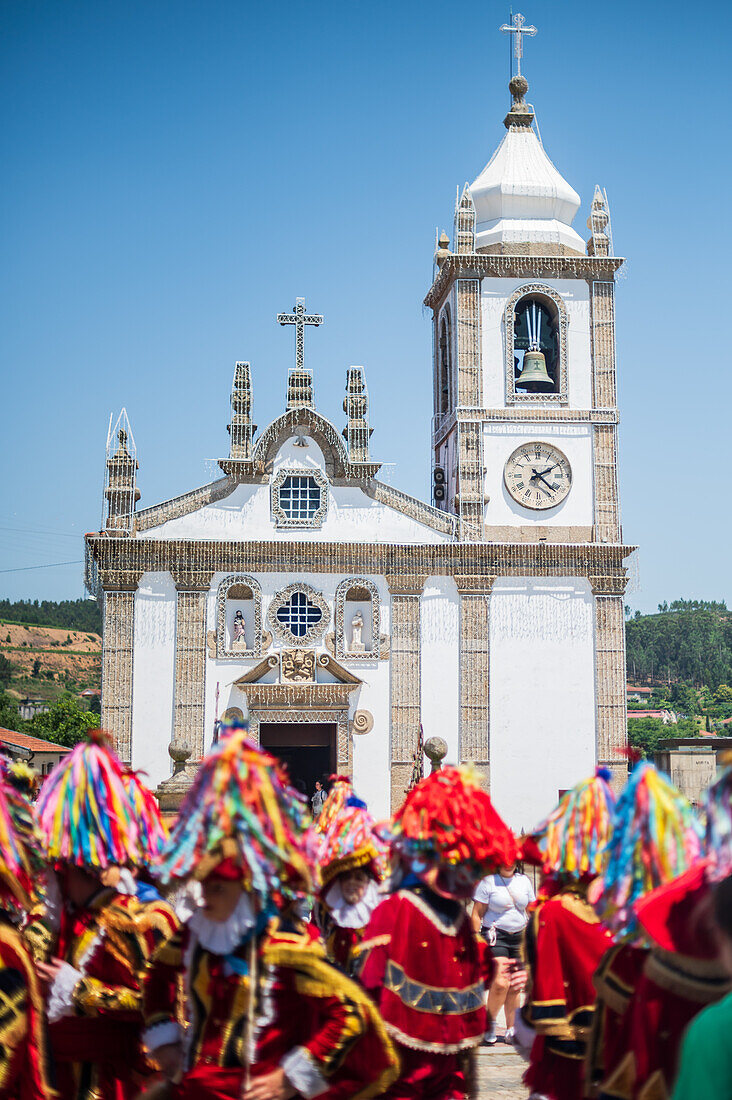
[(490, 1036), (508, 1035)]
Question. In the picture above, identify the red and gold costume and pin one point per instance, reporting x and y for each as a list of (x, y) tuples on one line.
[(420, 958), (262, 997), (95, 951), (23, 1046), (615, 981), (681, 975), (564, 945), (423, 965), (307, 1018), (348, 842)]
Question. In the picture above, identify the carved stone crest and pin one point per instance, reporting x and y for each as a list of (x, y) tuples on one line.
[(298, 665), (363, 721)]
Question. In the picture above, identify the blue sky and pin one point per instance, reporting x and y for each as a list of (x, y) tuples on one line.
[(177, 171)]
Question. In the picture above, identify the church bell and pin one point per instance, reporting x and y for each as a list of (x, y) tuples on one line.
[(534, 369)]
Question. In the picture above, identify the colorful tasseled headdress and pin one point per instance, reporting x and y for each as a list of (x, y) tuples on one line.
[(21, 857), (574, 836), (655, 837), (718, 807), (350, 842), (242, 809), (448, 818), (153, 833), (83, 810), (339, 793)]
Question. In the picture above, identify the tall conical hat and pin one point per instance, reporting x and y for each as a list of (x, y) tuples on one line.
[(350, 842), (449, 818), (655, 837), (22, 860), (85, 816), (242, 811), (574, 836), (153, 832)]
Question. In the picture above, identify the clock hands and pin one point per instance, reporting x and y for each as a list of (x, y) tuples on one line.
[(540, 476)]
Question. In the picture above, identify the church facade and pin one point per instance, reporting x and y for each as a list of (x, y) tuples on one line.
[(350, 622)]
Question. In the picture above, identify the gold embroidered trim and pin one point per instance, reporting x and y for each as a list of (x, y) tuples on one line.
[(437, 1000), (700, 980), (432, 917), (433, 1048)]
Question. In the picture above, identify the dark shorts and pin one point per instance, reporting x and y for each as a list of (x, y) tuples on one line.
[(507, 945)]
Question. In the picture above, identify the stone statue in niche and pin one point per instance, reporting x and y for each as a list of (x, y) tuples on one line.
[(240, 633), (357, 624)]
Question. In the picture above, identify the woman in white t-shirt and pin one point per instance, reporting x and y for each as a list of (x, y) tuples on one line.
[(500, 907)]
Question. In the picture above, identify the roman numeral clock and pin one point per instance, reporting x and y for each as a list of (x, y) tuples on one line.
[(538, 475)]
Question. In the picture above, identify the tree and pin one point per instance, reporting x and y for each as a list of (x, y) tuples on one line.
[(723, 694), (36, 667), (65, 723), (6, 671), (9, 717)]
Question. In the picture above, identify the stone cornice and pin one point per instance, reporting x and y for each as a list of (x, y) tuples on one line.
[(122, 561), (474, 265), (264, 697), (521, 414)]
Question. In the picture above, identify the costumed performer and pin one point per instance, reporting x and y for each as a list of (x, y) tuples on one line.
[(268, 1016), (23, 1047), (419, 958), (705, 1066), (90, 946), (655, 837), (683, 972), (352, 862), (564, 942)]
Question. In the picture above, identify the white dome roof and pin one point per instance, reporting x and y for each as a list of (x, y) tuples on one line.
[(520, 197)]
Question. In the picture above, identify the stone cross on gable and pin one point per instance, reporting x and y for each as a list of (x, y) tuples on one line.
[(518, 29), (299, 318)]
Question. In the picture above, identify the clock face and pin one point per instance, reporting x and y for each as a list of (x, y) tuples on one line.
[(538, 475)]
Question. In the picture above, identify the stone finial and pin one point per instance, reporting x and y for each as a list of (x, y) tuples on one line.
[(356, 407), (443, 249), (300, 388), (171, 792), (120, 489), (520, 114), (241, 429), (435, 749), (598, 224), (465, 222)]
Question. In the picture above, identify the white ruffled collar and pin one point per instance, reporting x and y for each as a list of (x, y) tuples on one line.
[(352, 916), (223, 937)]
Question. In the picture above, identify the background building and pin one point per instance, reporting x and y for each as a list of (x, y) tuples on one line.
[(349, 620)]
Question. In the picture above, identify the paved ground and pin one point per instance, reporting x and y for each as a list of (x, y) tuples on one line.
[(499, 1074)]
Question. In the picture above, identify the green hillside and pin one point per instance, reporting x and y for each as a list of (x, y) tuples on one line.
[(69, 614), (687, 642)]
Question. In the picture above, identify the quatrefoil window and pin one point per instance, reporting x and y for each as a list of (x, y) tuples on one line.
[(298, 615)]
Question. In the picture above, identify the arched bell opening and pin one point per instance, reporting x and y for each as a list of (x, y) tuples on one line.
[(536, 345), (443, 366)]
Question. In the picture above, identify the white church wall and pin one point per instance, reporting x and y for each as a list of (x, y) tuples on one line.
[(542, 693), (440, 662), (495, 294), (370, 750), (575, 440), (245, 515), (153, 673)]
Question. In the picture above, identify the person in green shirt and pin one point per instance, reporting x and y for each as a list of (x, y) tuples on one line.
[(705, 1070)]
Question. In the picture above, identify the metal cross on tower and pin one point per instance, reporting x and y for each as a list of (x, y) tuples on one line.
[(299, 318), (518, 28)]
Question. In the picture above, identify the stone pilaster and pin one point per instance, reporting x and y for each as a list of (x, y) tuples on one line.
[(607, 511), (117, 648), (469, 394), (612, 716), (190, 669), (474, 743), (405, 669)]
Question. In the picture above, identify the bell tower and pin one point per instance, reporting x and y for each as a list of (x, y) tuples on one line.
[(524, 454)]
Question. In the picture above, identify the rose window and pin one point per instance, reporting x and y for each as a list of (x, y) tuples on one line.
[(299, 615)]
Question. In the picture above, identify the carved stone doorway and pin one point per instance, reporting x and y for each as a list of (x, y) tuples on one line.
[(309, 749)]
